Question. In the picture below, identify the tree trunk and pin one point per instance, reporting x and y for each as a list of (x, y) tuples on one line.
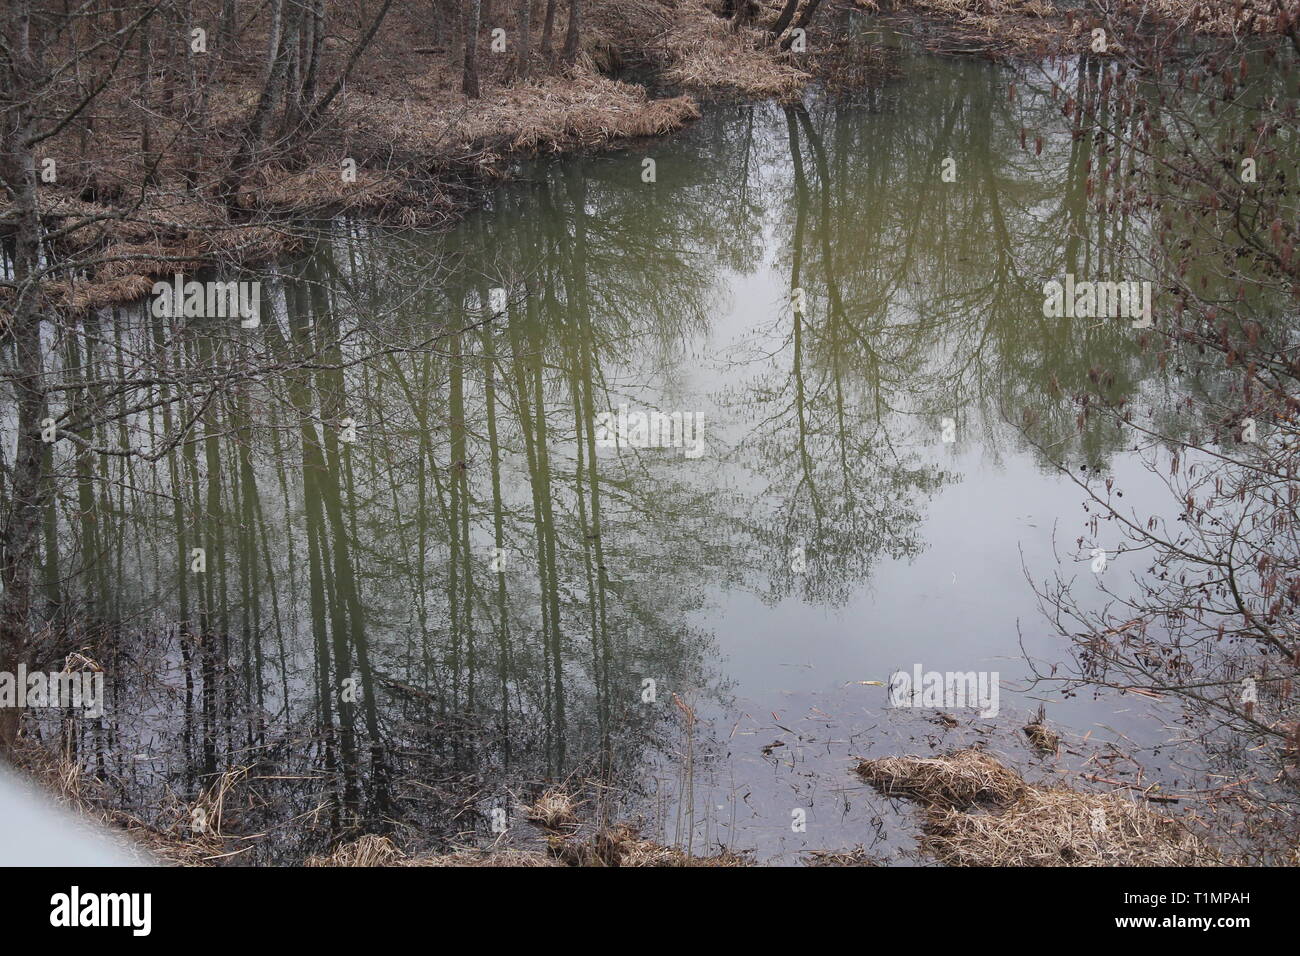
[(802, 23), (18, 538), (523, 66), (469, 84), (256, 126), (317, 41), (575, 26), (783, 21), (318, 109), (548, 28)]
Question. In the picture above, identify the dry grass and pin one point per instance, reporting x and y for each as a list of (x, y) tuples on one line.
[(985, 9), (581, 111), (433, 126), (996, 27), (1219, 17), (705, 54), (554, 810), (1064, 828), (322, 185), (1038, 27), (177, 844), (964, 779), (88, 797), (420, 146), (979, 812), (1044, 739), (369, 850), (620, 845)]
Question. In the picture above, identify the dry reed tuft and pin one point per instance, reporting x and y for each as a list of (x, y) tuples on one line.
[(966, 778), (1044, 739), (369, 850), (979, 812), (554, 810), (1062, 827)]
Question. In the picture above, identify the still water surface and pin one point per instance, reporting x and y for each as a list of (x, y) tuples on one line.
[(499, 585)]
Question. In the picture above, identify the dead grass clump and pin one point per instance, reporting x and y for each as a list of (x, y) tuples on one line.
[(979, 812), (997, 27), (323, 186), (622, 845), (369, 850), (493, 858), (582, 111), (554, 810), (967, 778), (1219, 17), (1063, 827), (1044, 739), (705, 53)]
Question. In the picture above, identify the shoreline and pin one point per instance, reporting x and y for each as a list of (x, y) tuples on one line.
[(414, 167), (426, 164)]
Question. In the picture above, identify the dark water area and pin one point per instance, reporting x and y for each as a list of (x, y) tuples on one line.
[(444, 569)]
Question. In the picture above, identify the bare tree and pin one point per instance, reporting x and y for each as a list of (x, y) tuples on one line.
[(784, 18), (37, 102), (524, 15), (805, 18), (571, 38), (548, 28), (470, 21), (1194, 142)]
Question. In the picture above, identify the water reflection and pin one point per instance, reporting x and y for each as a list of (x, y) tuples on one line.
[(427, 584)]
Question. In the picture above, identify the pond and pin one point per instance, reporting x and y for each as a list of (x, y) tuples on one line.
[(646, 478)]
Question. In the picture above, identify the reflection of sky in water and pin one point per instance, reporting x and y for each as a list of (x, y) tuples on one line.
[(959, 601), (920, 554)]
